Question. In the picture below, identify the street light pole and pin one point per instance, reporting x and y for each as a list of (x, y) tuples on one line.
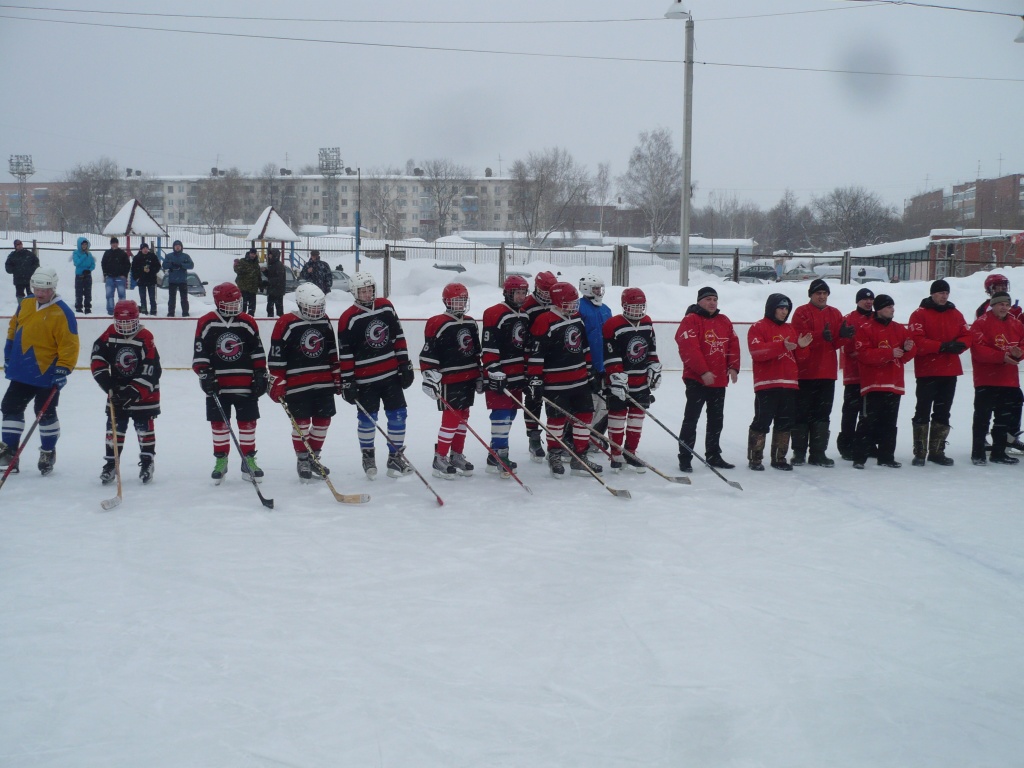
[(676, 11)]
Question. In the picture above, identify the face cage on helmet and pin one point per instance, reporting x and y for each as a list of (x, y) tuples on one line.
[(510, 296), (634, 311), (544, 297), (366, 302), (993, 290), (127, 327), (311, 311), (230, 308), (457, 305), (570, 308)]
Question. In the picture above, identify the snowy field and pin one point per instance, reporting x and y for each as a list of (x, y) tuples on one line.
[(815, 618)]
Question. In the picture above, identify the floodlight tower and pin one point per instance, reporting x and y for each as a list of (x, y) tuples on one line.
[(330, 168), (21, 167)]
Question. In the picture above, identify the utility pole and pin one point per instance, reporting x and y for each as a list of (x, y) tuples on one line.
[(331, 167)]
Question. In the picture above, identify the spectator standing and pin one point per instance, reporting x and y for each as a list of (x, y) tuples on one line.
[(996, 352), (84, 263), (247, 278), (145, 267), (115, 265), (852, 401), (318, 272), (177, 264), (21, 263), (275, 283)]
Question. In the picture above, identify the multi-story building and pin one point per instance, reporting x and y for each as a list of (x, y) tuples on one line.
[(989, 203)]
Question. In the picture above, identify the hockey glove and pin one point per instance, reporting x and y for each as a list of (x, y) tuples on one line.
[(535, 388), (653, 376), (827, 333), (618, 382), (496, 380), (952, 347), (405, 375), (596, 382), (348, 391), (278, 389), (432, 383), (60, 376), (846, 331), (208, 382), (259, 383), (125, 397)]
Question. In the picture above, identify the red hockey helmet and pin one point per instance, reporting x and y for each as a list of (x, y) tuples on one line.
[(515, 286), (634, 304), (126, 317), (542, 286), (997, 282), (456, 298), (228, 299), (565, 298)]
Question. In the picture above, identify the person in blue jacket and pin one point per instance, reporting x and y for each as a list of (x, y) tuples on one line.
[(84, 263), (595, 314), (177, 264)]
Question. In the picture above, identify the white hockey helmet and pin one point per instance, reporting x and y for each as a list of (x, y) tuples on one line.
[(311, 301), (362, 280), (45, 278), (592, 287)]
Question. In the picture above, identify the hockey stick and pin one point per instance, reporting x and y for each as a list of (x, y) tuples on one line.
[(704, 461), (268, 503), (626, 451), (613, 491), (14, 459), (440, 501), (344, 498), (490, 450), (109, 504)]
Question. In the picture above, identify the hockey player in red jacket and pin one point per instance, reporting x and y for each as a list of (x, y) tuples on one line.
[(818, 372), (774, 348), (997, 283), (941, 336), (504, 362), (536, 304), (559, 368), (710, 351), (450, 366), (632, 366), (229, 359), (852, 401), (996, 351), (883, 349), (126, 365)]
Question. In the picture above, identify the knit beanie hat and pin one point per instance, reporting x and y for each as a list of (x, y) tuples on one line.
[(1001, 296), (882, 301), (706, 291), (865, 293), (939, 286), (818, 285)]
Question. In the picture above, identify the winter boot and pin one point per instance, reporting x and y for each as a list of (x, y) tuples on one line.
[(442, 467), (46, 461), (920, 444), (800, 436), (1002, 458), (109, 472), (818, 442), (398, 465), (715, 460), (780, 447), (844, 444), (555, 464), (303, 468), (494, 468), (220, 467), (937, 445), (536, 447), (462, 466), (251, 468), (1014, 442), (685, 461), (146, 469), (635, 465), (578, 466), (755, 450), (370, 463)]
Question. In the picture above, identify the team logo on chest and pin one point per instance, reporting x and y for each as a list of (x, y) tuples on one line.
[(312, 343), (518, 336), (573, 338), (377, 334), (464, 341), (636, 349), (229, 347), (126, 361)]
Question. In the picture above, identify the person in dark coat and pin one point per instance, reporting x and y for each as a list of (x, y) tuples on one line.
[(318, 272), (145, 268), (177, 264), (247, 278), (21, 263), (115, 265), (275, 283)]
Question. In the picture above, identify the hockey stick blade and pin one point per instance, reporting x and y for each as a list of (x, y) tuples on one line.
[(109, 504), (352, 498), (342, 498)]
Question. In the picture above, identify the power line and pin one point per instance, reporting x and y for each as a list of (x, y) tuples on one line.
[(937, 7)]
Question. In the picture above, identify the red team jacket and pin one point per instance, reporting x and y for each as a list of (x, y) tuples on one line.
[(118, 361), (879, 370), (775, 367), (560, 354), (848, 354), (452, 346), (371, 343), (305, 352), (707, 343), (629, 348), (930, 326), (991, 339), (504, 349), (821, 361), (232, 349)]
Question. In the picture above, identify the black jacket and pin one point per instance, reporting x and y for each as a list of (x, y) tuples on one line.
[(275, 277), (115, 263), (21, 264), (139, 264)]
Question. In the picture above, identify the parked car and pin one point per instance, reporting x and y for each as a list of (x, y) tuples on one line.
[(758, 273), (342, 282), (195, 285), (716, 269), (291, 282), (798, 274), (858, 274)]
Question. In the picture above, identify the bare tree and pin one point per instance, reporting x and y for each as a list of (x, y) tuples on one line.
[(443, 179), (380, 198), (547, 187), (851, 216), (602, 189), (654, 181), (96, 190), (220, 199), (789, 226)]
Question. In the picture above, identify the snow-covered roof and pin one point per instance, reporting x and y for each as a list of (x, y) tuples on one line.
[(270, 226), (133, 219)]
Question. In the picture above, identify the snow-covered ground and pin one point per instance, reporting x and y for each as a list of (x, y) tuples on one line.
[(815, 618)]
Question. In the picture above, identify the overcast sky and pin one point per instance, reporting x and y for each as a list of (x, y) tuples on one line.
[(174, 102)]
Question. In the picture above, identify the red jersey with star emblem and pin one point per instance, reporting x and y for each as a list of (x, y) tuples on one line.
[(629, 348), (305, 352), (879, 370), (775, 367), (821, 361), (848, 355), (232, 348), (560, 355), (451, 345), (991, 339), (504, 349), (930, 325), (707, 343), (119, 360), (371, 343)]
